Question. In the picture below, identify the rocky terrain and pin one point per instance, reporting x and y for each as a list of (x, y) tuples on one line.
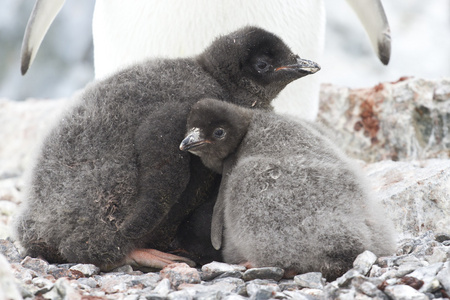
[(399, 133), (419, 270)]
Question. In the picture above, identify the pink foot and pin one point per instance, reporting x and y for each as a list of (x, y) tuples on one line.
[(247, 264), (152, 258)]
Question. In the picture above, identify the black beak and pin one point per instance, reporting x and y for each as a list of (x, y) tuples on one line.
[(192, 140), (303, 67)]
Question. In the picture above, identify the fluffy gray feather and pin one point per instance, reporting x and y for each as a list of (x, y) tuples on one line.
[(109, 177), (288, 198)]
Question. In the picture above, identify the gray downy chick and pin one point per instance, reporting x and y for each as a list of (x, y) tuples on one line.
[(288, 197), (109, 184)]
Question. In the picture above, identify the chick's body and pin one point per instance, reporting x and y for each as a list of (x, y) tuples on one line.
[(110, 179), (288, 198)]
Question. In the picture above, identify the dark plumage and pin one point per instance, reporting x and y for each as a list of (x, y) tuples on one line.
[(110, 179), (288, 197)]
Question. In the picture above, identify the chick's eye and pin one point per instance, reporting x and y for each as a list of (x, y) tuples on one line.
[(219, 133), (262, 66)]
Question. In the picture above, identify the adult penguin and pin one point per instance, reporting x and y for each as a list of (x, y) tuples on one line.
[(126, 32), (288, 197), (110, 182)]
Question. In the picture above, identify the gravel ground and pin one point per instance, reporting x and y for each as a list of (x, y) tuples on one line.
[(419, 270)]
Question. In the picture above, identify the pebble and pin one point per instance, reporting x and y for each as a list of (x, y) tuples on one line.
[(87, 282), (163, 288), (408, 274), (180, 273), (264, 273), (63, 289), (404, 292), (11, 253), (214, 269), (313, 280), (262, 288), (35, 264), (86, 269), (444, 276), (364, 262)]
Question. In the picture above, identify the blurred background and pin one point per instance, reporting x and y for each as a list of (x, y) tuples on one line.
[(420, 33)]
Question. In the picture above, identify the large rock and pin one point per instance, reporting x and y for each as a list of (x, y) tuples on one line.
[(416, 194), (404, 120)]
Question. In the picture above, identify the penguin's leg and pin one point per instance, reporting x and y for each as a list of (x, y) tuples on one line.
[(154, 258)]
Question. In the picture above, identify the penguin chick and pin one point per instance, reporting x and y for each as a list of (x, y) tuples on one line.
[(288, 197), (110, 184)]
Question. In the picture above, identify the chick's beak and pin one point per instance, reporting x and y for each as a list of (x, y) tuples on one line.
[(193, 139), (303, 67)]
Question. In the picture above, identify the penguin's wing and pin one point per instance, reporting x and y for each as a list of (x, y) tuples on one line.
[(42, 16), (217, 221), (372, 16)]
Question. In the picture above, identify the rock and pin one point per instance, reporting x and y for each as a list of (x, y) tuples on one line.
[(44, 285), (425, 279), (313, 280), (364, 262), (124, 269), (214, 269), (179, 273), (346, 279), (11, 253), (344, 294), (368, 287), (233, 274), (407, 268), (442, 237), (423, 244), (428, 275), (234, 297), (313, 293), (57, 273), (264, 273), (88, 282), (404, 292), (444, 277), (421, 186), (262, 289), (163, 288), (440, 254), (214, 291), (180, 295), (8, 286), (86, 269), (427, 271), (403, 120), (287, 285), (35, 264), (62, 290), (407, 264), (297, 295), (233, 285), (113, 283)]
